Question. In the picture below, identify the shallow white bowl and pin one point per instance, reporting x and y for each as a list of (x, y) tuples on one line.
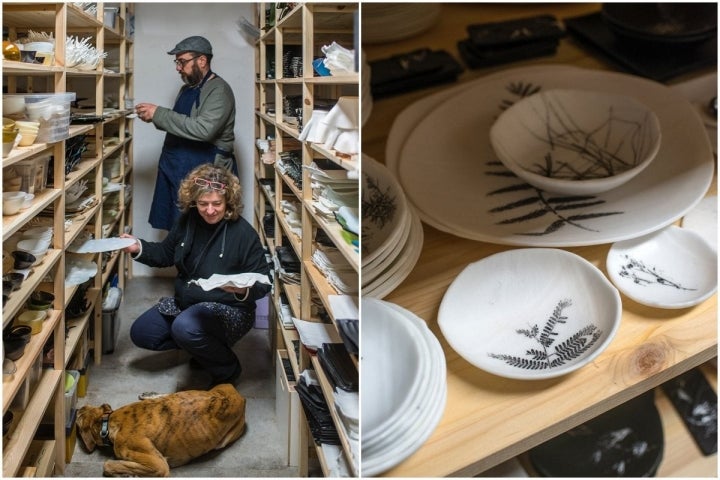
[(12, 201), (576, 142), (395, 362), (671, 268), (530, 313), (34, 245)]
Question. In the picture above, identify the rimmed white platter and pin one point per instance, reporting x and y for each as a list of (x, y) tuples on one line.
[(396, 440), (100, 245), (440, 152), (399, 267), (671, 268), (383, 201), (530, 313)]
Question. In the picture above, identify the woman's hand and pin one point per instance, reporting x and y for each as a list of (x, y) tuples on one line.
[(135, 247)]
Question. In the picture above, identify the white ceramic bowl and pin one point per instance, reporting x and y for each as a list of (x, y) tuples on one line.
[(12, 201), (34, 245), (530, 313), (576, 142), (671, 268), (13, 104), (394, 364), (38, 232)]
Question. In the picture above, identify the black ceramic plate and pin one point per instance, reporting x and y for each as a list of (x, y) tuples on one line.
[(662, 22), (627, 441)]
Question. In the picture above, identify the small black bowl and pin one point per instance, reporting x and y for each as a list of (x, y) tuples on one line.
[(23, 332), (7, 421), (27, 56), (7, 288), (14, 348), (15, 279), (41, 299), (23, 260)]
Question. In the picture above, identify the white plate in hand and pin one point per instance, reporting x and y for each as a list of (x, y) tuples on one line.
[(238, 280), (672, 268), (100, 245)]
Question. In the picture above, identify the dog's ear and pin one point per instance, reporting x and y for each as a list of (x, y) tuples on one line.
[(87, 417)]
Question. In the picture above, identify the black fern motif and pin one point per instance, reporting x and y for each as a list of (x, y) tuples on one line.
[(641, 274), (378, 208), (535, 203), (544, 357), (540, 203)]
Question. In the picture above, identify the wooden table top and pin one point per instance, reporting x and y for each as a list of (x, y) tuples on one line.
[(489, 419)]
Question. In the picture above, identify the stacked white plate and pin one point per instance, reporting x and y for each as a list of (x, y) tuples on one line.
[(404, 385), (387, 22), (392, 235)]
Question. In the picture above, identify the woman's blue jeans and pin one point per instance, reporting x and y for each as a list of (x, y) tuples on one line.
[(197, 330)]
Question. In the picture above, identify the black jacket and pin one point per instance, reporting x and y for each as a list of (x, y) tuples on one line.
[(234, 247)]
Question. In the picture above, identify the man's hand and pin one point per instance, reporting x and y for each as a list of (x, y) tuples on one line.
[(145, 111)]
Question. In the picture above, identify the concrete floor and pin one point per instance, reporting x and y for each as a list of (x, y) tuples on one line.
[(129, 371)]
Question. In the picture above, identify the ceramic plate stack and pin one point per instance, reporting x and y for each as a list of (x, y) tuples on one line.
[(387, 22), (403, 382), (392, 235)]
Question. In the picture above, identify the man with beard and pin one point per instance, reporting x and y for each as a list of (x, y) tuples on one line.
[(200, 126)]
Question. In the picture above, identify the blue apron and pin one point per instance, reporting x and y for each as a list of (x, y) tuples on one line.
[(179, 157)]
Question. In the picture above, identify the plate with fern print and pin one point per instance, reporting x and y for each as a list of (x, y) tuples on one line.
[(530, 313), (439, 150), (672, 268)]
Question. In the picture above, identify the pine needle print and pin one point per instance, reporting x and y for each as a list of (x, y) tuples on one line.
[(545, 357)]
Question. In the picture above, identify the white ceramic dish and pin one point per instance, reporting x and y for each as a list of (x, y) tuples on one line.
[(240, 280), (577, 142), (670, 268), (12, 202), (471, 195), (399, 267), (530, 313), (703, 219), (78, 270), (394, 363), (383, 201), (384, 448), (100, 245)]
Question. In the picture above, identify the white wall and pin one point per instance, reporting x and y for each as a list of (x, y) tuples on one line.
[(158, 27)]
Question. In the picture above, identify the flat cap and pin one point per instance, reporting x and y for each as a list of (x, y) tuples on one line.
[(192, 44)]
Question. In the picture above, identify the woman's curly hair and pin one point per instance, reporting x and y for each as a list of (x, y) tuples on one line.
[(190, 190)]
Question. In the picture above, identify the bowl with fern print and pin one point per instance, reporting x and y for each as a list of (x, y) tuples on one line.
[(576, 142), (530, 313)]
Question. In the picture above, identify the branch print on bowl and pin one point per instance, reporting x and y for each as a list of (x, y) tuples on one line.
[(671, 268), (384, 209), (576, 141), (543, 357), (530, 313)]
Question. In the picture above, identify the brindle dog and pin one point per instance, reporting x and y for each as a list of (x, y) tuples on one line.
[(150, 436)]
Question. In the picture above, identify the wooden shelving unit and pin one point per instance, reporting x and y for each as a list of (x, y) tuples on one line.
[(304, 29), (48, 208)]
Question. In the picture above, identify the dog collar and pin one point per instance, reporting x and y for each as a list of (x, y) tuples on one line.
[(105, 430)]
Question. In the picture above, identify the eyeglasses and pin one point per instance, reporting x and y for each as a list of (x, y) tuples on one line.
[(209, 184), (183, 61)]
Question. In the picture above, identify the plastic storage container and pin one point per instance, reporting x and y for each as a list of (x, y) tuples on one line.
[(33, 173), (52, 110)]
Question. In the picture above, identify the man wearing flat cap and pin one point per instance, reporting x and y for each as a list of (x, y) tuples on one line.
[(200, 126)]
